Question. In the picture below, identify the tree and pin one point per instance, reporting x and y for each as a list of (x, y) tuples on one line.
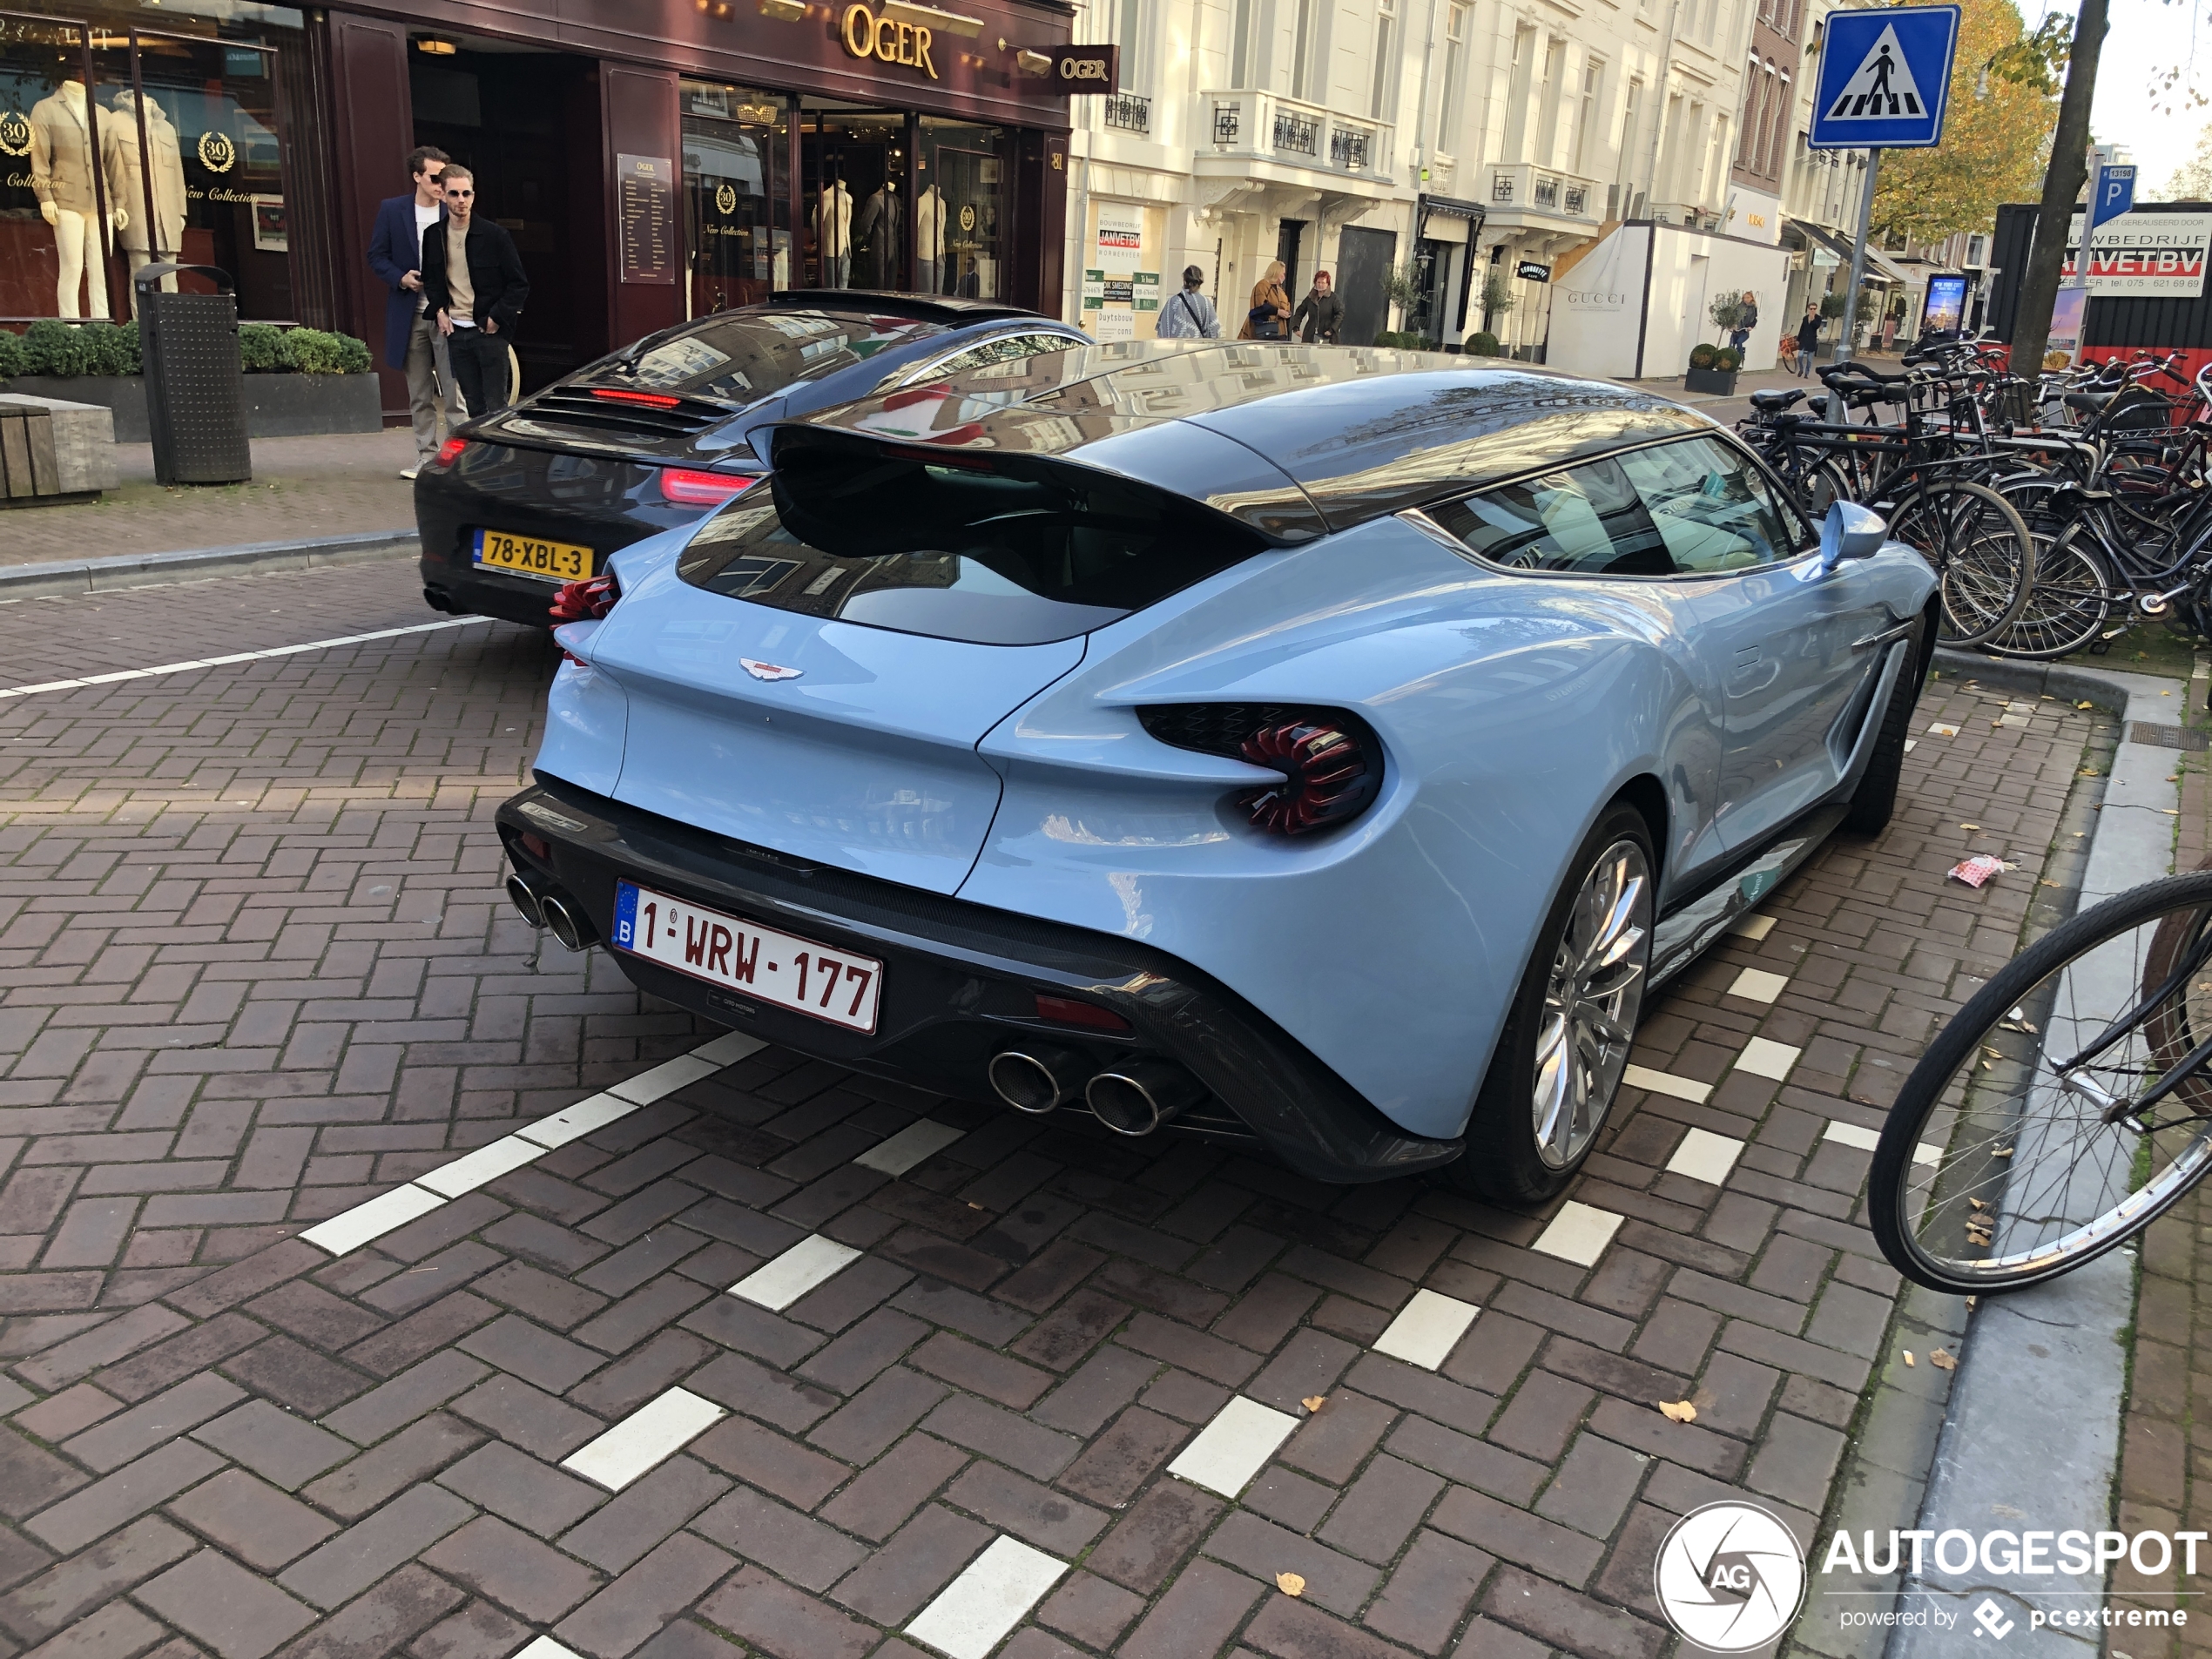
[(2062, 182), (1996, 135), (2192, 180)]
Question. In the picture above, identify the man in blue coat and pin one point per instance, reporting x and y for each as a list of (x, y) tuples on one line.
[(412, 342)]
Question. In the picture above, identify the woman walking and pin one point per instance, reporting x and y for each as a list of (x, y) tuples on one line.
[(1189, 314), (1269, 315), (1808, 338)]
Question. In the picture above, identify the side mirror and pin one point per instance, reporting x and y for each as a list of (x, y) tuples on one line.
[(1850, 532)]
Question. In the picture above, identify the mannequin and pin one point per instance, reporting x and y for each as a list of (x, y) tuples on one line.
[(876, 235), (119, 156), (833, 233), (929, 240), (61, 177)]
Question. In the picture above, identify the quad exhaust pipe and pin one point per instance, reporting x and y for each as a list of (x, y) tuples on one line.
[(1133, 1099), (543, 905)]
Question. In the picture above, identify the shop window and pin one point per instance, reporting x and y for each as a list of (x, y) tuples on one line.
[(214, 167), (737, 200), (960, 216)]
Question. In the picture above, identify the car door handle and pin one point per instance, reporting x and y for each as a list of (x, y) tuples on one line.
[(1884, 639)]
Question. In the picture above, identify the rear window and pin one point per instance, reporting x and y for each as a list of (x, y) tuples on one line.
[(743, 355), (1024, 553)]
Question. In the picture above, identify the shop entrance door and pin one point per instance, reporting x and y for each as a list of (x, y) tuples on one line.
[(527, 123), (1363, 259), (853, 173)]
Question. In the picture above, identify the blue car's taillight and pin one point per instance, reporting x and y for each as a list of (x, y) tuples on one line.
[(1331, 765)]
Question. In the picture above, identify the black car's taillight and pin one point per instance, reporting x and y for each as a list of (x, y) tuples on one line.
[(449, 452), (584, 601), (1331, 762)]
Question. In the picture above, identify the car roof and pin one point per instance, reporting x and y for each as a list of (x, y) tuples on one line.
[(1296, 441), (953, 311)]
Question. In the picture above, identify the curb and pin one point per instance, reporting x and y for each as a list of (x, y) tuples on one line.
[(2032, 1428), (145, 569)]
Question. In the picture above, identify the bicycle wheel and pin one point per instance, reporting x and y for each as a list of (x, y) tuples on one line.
[(2065, 1108), (2068, 604), (1982, 552)]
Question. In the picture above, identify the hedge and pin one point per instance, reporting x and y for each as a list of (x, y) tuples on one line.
[(65, 350)]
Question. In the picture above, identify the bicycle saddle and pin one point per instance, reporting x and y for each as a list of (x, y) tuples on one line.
[(1861, 371), (1769, 401), (2088, 402)]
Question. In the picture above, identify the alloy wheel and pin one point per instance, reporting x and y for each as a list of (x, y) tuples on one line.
[(1591, 1002)]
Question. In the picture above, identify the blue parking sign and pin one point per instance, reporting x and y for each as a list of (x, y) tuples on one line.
[(1884, 78)]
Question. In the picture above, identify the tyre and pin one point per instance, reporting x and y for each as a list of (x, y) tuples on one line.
[(1981, 550), (1559, 1060), (2064, 1108), (2068, 605), (1875, 799)]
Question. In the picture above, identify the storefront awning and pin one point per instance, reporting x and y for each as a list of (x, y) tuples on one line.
[(1819, 236), (1882, 268)]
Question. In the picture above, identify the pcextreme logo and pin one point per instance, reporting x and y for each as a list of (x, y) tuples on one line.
[(1729, 1577)]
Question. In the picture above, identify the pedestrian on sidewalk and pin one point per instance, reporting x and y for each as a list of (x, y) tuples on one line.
[(1190, 315), (1266, 319), (412, 343), (477, 287), (1321, 313), (1746, 321), (1808, 338)]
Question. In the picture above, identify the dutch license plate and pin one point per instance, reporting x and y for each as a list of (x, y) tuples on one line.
[(757, 962), (527, 555)]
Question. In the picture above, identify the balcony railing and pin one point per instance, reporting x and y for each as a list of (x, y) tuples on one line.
[(1542, 190), (1127, 113), (1265, 127)]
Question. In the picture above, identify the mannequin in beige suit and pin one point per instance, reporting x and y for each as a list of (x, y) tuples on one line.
[(61, 177), (164, 238), (833, 233)]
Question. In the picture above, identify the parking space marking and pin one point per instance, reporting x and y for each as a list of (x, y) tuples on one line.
[(587, 1117), (915, 1144), (1661, 1082), (776, 1284), (236, 656), (664, 1079), (1578, 1233), (972, 1614), (486, 1164), (1762, 1057), (650, 1435), (1757, 985), (1705, 1156), (1426, 1329), (1229, 1450), (349, 1230), (1754, 927)]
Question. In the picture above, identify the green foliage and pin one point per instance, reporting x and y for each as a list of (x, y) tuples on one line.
[(11, 355), (261, 348), (1402, 339), (1832, 306), (64, 349), (1725, 312), (1702, 355), (1728, 360), (1483, 343), (1498, 295), (54, 348), (113, 348), (315, 351)]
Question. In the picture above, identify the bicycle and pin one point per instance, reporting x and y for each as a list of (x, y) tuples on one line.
[(2066, 1106)]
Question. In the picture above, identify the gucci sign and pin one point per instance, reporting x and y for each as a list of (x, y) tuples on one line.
[(888, 40)]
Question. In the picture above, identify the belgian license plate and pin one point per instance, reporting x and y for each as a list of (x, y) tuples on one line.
[(778, 968), (527, 555)]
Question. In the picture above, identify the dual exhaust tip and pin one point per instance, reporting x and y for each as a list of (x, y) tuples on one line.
[(1134, 1098), (543, 905)]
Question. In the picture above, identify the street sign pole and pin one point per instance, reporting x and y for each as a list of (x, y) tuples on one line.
[(1859, 254)]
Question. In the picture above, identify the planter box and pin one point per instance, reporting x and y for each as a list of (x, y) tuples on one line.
[(277, 406), (1720, 381)]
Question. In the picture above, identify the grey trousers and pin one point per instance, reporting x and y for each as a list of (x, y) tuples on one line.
[(430, 388)]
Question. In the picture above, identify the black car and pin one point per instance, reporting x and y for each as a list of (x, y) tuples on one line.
[(650, 438)]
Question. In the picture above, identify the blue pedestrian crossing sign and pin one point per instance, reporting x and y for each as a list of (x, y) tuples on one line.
[(1884, 78)]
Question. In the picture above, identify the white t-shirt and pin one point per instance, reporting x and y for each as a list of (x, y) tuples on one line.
[(424, 218)]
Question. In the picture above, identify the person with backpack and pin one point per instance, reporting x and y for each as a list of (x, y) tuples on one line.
[(1189, 314)]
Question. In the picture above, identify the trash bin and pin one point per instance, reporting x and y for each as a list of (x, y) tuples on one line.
[(195, 390)]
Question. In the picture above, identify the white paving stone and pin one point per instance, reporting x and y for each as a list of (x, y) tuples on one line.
[(1229, 1450), (1851, 1135), (776, 1284), (1764, 1057), (1664, 1083), (350, 1228), (1578, 1233), (486, 1164), (664, 1079), (1426, 1329), (546, 1647), (916, 1143), (652, 1434), (1705, 1156), (972, 1614), (573, 1123), (1754, 927), (1758, 985), (728, 1048)]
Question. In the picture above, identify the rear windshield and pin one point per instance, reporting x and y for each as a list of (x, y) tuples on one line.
[(740, 356), (1027, 552)]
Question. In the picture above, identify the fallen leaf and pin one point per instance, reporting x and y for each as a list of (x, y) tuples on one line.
[(2084, 705), (1290, 1583), (1680, 1411), (1909, 1359), (1941, 1360), (1979, 1203), (1313, 1402), (2000, 1151), (1972, 1300)]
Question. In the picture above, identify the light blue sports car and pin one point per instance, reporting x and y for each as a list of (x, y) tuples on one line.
[(1322, 749)]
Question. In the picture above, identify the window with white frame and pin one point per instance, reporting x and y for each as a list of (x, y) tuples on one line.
[(1457, 22), (1517, 90), (1240, 43), (1132, 36), (1586, 117), (1386, 77), (1305, 41)]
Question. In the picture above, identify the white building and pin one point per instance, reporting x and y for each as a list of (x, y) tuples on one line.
[(1578, 158)]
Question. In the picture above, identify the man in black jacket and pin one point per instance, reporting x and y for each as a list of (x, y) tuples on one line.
[(477, 297), (1320, 312)]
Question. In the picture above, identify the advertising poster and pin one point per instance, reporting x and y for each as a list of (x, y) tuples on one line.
[(1946, 304), (2144, 255), (1121, 238)]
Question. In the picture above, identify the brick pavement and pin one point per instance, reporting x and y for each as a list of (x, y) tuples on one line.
[(302, 487), (254, 970)]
